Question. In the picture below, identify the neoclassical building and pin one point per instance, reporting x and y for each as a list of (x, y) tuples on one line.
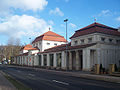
[(93, 44), (28, 54)]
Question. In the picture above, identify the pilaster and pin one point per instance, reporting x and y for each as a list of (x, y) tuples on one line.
[(54, 61), (42, 61), (63, 60), (86, 59), (48, 60), (77, 60), (70, 60)]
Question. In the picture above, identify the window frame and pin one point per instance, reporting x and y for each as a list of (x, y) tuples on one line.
[(82, 41), (75, 42), (89, 40), (48, 43), (103, 39)]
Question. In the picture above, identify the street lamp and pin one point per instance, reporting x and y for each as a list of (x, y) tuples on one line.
[(30, 40), (66, 39)]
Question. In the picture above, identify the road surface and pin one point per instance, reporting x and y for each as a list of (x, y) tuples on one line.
[(43, 80)]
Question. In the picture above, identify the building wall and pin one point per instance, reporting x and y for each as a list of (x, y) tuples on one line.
[(105, 54), (96, 37), (44, 44), (33, 51), (100, 53), (38, 44), (23, 51), (49, 44)]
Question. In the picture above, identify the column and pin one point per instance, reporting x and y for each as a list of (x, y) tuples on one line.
[(25, 60), (32, 60), (70, 60), (63, 60), (48, 60), (28, 60), (98, 57), (42, 61), (77, 60), (14, 60), (36, 62), (54, 61), (20, 60), (86, 59)]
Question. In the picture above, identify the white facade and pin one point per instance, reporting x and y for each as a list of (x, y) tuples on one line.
[(45, 44), (105, 52), (33, 51), (83, 53), (95, 38), (23, 51)]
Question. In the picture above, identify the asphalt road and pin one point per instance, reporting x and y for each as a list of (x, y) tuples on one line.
[(43, 80)]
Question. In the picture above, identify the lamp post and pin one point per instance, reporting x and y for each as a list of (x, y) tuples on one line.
[(66, 40), (30, 40)]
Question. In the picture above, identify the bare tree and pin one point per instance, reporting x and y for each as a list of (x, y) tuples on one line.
[(11, 49)]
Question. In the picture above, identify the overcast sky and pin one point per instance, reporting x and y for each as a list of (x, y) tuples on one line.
[(26, 19)]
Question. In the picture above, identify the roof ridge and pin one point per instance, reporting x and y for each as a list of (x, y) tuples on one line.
[(96, 27), (96, 24), (50, 36), (53, 35)]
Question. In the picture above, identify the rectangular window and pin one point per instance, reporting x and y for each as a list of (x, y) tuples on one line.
[(102, 39), (118, 41), (55, 43), (76, 42), (110, 40), (82, 41), (48, 43), (36, 44), (89, 40)]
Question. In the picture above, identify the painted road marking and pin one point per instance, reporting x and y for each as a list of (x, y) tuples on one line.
[(60, 82), (31, 74)]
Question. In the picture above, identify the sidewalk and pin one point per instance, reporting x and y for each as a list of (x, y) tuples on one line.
[(5, 84), (81, 74), (86, 75)]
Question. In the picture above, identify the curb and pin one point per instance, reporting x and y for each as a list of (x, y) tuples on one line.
[(6, 85)]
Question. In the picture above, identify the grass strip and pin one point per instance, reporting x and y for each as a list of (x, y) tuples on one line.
[(16, 83)]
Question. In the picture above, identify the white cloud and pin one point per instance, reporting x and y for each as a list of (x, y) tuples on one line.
[(118, 18), (56, 11), (34, 5), (63, 0), (104, 13), (66, 0), (72, 25), (18, 26), (51, 22)]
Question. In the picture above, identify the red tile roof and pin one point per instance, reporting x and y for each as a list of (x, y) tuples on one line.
[(50, 36), (29, 47), (96, 28), (69, 47)]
